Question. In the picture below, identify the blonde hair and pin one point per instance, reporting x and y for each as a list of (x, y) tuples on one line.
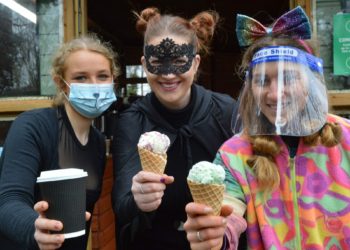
[(266, 149), (88, 42)]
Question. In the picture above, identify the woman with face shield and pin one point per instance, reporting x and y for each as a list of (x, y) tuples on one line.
[(287, 93), (149, 207), (290, 164)]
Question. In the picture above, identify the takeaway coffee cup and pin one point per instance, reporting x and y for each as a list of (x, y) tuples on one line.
[(65, 191)]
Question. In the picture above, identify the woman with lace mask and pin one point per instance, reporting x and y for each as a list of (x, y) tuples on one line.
[(149, 207)]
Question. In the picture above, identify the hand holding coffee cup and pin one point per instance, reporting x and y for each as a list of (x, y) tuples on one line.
[(45, 228), (65, 192)]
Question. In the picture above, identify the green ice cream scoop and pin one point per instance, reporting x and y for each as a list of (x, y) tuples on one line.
[(205, 172)]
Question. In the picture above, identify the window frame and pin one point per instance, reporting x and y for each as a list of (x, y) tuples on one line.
[(75, 24), (338, 99)]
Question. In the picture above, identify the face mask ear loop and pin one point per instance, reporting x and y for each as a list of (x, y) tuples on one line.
[(115, 87), (67, 85)]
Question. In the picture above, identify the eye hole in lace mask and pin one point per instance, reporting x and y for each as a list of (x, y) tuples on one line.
[(169, 57)]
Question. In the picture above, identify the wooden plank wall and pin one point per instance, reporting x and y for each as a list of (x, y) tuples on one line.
[(102, 227)]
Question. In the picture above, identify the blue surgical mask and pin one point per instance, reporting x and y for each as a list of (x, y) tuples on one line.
[(91, 99)]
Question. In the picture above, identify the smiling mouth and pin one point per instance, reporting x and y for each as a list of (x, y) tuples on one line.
[(281, 122), (274, 106), (169, 85)]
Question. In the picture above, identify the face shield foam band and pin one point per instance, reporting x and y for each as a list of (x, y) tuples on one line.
[(288, 54)]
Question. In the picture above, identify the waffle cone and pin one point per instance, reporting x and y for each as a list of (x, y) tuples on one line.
[(209, 194), (152, 162)]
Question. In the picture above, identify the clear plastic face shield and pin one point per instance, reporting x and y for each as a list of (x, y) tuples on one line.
[(284, 92)]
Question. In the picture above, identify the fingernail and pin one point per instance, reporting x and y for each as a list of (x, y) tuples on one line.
[(162, 180), (208, 209), (57, 225), (224, 221)]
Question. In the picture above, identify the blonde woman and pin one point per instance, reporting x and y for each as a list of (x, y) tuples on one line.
[(63, 136)]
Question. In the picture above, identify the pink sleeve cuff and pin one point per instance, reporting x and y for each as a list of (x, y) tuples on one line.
[(236, 225)]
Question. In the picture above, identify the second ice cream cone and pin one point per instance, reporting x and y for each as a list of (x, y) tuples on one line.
[(152, 162), (209, 194)]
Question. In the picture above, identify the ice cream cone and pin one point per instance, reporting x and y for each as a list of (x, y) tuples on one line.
[(209, 194), (152, 162)]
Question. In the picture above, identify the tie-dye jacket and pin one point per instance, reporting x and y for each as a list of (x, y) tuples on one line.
[(309, 210)]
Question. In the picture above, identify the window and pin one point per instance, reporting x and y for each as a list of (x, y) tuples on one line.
[(136, 82), (325, 11), (30, 32), (19, 68), (135, 71)]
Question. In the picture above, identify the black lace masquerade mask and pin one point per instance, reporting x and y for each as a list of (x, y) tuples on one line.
[(169, 57)]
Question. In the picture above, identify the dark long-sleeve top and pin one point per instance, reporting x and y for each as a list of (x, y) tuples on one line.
[(196, 132), (43, 139)]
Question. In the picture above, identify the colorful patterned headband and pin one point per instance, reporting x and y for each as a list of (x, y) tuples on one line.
[(294, 24)]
